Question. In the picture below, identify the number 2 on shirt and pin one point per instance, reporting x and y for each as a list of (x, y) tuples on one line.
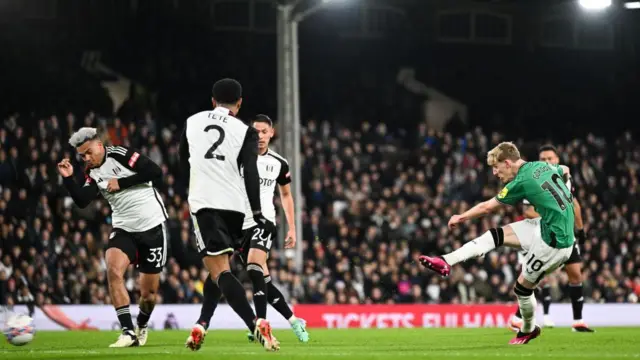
[(209, 154)]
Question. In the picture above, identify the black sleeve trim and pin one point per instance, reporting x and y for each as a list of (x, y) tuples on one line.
[(81, 195), (248, 159), (145, 169), (183, 152), (284, 178)]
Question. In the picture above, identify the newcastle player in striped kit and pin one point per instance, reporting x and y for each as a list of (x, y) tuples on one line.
[(213, 148), (124, 178), (273, 169)]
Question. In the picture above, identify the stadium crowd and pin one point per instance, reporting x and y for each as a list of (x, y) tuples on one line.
[(374, 201)]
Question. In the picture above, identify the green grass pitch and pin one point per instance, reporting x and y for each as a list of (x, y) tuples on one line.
[(559, 343)]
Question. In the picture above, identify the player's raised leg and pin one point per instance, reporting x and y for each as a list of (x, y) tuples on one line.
[(477, 247), (117, 263)]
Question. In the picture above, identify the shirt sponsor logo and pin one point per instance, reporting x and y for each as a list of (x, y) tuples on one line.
[(266, 182), (503, 193), (133, 159)]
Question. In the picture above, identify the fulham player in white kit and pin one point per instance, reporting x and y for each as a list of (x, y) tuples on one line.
[(124, 178), (214, 146), (273, 169)]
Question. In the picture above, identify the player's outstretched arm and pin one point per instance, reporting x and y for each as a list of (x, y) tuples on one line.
[(145, 169), (481, 209), (81, 195)]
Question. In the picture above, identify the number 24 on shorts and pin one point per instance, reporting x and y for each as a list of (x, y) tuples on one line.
[(258, 236)]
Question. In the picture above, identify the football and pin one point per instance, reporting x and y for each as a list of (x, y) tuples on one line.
[(19, 329)]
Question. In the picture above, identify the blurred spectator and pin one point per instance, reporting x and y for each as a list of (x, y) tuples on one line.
[(374, 199)]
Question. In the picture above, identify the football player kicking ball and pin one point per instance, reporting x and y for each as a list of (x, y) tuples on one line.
[(549, 153), (124, 178), (272, 169), (548, 241)]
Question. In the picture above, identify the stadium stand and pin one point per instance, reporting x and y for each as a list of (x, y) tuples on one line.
[(368, 216)]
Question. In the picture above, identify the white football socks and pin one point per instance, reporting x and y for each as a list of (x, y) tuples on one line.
[(474, 248), (528, 312)]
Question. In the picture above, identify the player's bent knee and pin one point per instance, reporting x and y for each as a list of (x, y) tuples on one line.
[(257, 256), (510, 238), (521, 290), (255, 267), (148, 294), (217, 264)]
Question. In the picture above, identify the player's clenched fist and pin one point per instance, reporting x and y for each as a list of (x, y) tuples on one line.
[(65, 168), (113, 185), (455, 220)]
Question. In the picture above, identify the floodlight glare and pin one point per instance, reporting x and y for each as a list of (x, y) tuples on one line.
[(632, 5), (595, 4)]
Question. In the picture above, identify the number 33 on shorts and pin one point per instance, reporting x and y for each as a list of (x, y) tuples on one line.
[(156, 256)]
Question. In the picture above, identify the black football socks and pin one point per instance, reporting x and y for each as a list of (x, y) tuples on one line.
[(146, 308), (277, 299), (256, 274), (124, 316), (212, 295), (546, 299), (577, 301), (233, 291)]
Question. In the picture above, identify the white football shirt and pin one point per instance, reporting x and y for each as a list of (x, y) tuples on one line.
[(135, 209), (273, 169), (215, 140)]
